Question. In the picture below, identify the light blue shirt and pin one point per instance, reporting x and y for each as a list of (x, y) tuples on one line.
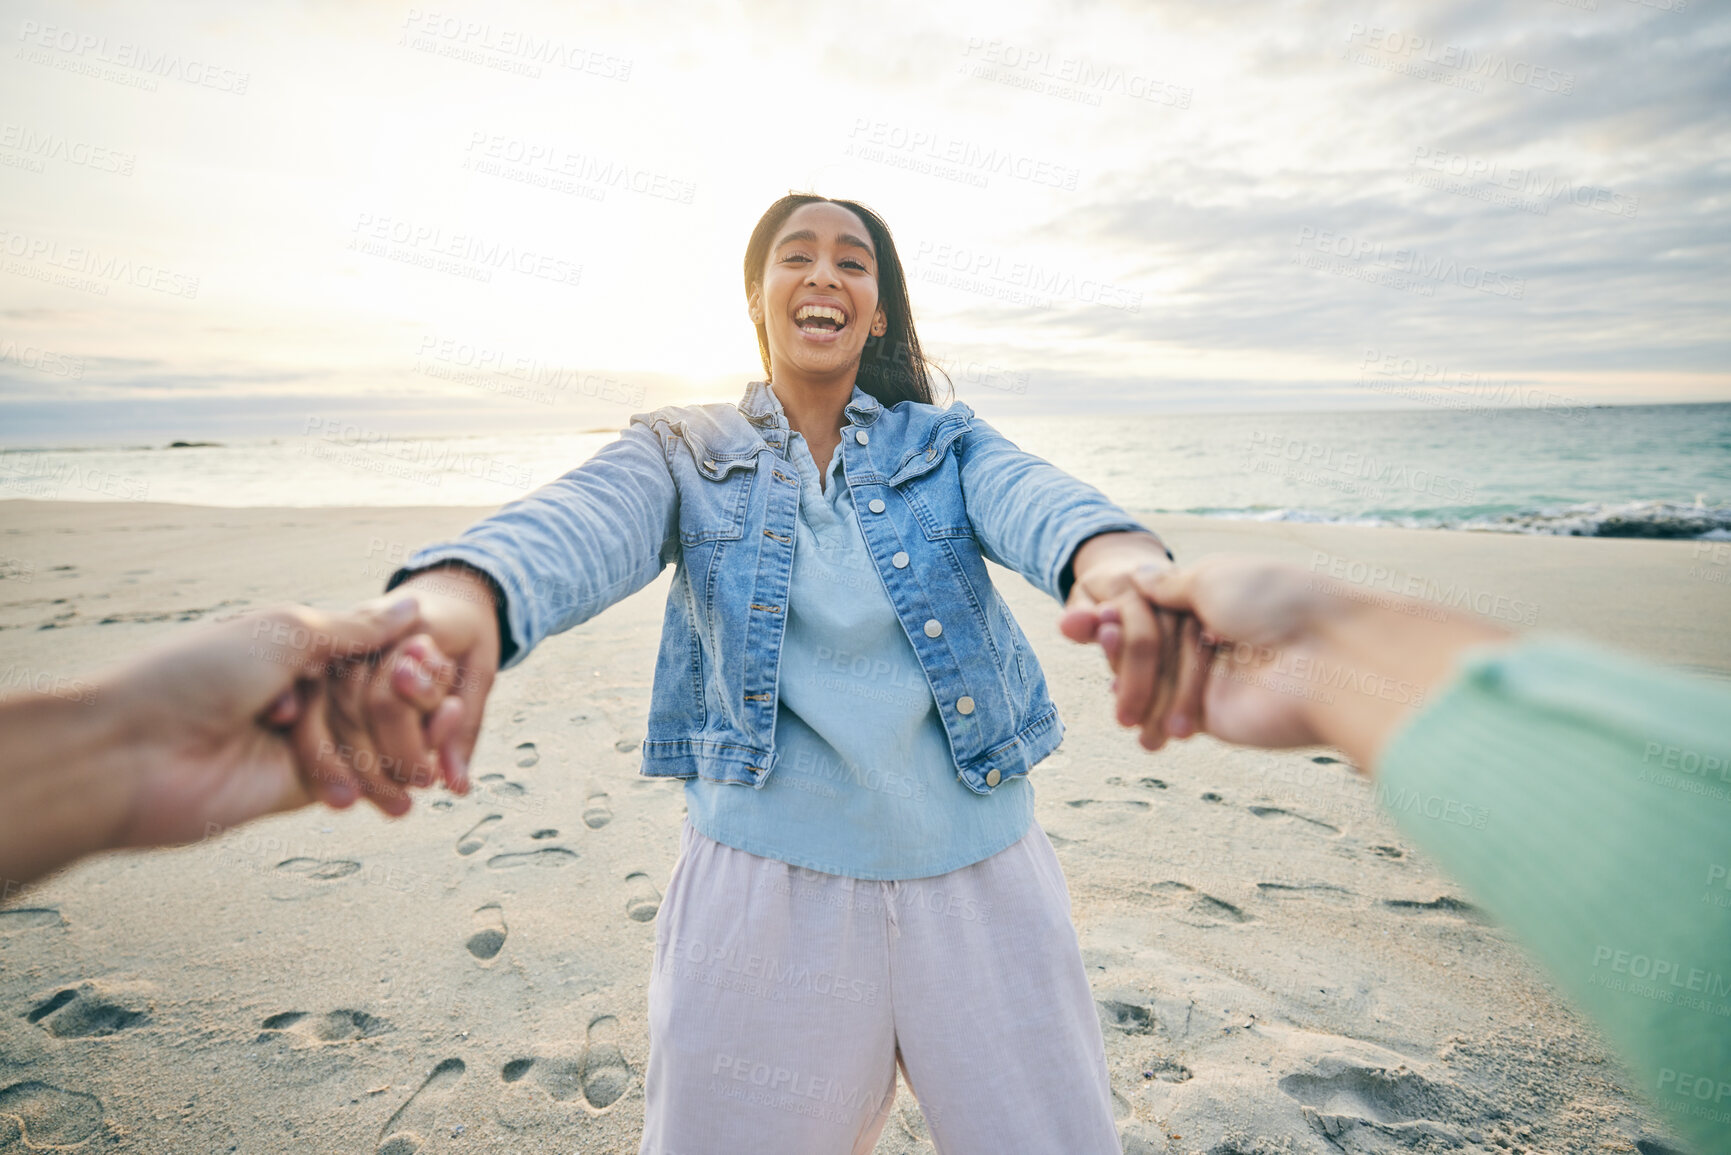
[(866, 785)]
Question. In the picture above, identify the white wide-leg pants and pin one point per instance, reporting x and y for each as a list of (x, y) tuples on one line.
[(782, 1000)]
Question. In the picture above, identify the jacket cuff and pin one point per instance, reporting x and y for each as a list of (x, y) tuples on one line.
[(513, 636), (1118, 522)]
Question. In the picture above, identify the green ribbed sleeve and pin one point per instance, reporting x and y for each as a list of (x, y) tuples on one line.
[(1583, 797)]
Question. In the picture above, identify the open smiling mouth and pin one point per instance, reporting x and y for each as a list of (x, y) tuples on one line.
[(820, 321)]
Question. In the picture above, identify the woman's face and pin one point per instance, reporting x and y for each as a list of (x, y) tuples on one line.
[(819, 299)]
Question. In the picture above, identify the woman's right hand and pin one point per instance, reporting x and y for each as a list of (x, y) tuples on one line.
[(412, 730)]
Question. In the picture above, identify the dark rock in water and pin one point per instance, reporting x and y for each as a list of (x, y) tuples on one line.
[(195, 445)]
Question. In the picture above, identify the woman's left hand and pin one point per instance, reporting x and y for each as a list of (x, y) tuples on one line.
[(1146, 646)]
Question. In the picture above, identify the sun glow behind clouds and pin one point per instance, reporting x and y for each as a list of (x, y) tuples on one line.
[(1099, 205)]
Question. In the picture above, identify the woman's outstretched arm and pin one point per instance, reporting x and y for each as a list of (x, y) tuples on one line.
[(1069, 539), (540, 565)]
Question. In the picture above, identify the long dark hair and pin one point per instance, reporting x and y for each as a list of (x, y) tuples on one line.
[(891, 367)]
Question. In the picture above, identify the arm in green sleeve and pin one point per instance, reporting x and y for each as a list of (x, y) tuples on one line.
[(1583, 797)]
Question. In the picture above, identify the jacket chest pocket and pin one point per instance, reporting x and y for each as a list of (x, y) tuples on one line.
[(715, 497), (930, 481)]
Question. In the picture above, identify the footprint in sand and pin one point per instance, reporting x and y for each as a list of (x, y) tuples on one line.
[(490, 931), (547, 856), (319, 869), (596, 812), (477, 834), (605, 1075), (642, 900), (1135, 805), (1318, 891), (35, 1115), (549, 832), (83, 1013), (29, 918), (598, 1077), (1131, 1018), (1202, 910), (416, 1119), (339, 1026), (1277, 812), (1362, 1108), (1443, 905), (527, 755), (502, 788), (625, 745)]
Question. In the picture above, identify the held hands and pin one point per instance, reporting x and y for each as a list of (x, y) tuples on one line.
[(381, 735), (1143, 641), (225, 725), (1270, 656)]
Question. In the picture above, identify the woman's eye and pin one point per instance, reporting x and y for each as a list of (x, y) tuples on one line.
[(793, 257), (852, 264)]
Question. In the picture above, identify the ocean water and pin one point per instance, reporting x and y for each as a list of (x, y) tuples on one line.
[(1659, 470)]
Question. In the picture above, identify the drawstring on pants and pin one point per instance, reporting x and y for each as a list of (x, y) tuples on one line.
[(892, 889)]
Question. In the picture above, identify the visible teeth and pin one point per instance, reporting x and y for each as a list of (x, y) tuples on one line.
[(821, 312)]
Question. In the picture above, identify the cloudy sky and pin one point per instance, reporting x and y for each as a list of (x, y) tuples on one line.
[(221, 220)]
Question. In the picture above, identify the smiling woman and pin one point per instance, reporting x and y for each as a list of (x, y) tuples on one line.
[(798, 231), (854, 712)]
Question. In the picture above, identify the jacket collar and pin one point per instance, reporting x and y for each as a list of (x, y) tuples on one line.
[(763, 408)]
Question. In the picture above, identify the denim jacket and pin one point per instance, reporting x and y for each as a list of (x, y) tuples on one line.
[(709, 489)]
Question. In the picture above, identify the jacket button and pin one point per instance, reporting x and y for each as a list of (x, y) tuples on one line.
[(931, 453), (900, 560), (709, 465), (964, 705), (876, 505), (860, 436), (934, 627), (993, 777)]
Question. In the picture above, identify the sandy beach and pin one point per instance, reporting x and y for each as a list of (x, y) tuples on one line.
[(1277, 971)]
